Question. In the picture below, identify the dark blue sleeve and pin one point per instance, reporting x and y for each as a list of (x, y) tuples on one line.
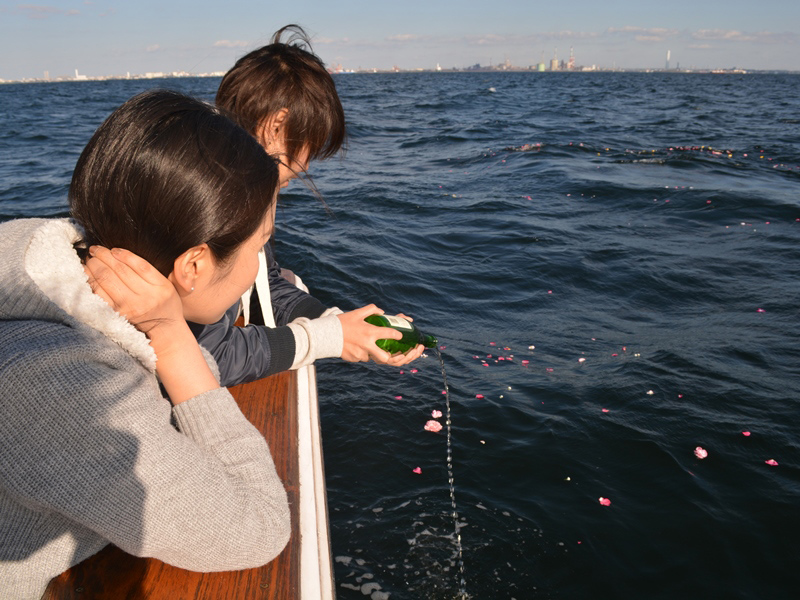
[(245, 354), (288, 301)]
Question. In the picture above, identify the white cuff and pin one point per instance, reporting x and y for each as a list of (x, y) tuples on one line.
[(316, 338)]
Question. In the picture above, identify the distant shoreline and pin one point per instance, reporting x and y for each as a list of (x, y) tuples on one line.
[(178, 75)]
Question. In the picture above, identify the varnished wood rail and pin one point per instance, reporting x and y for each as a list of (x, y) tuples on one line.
[(271, 405)]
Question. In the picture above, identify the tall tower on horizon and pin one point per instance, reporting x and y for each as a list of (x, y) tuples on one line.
[(571, 63), (554, 62), (667, 65)]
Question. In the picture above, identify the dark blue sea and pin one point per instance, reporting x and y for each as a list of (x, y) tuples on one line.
[(611, 263)]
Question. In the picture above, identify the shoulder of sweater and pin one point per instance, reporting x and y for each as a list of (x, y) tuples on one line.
[(50, 366)]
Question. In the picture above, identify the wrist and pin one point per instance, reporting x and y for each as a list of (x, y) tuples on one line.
[(180, 364)]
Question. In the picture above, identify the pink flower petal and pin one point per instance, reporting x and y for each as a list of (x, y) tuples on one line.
[(436, 414), (492, 344), (604, 410), (433, 426), (700, 453), (526, 362), (479, 396), (417, 470), (605, 501), (746, 433), (414, 371), (398, 397), (772, 462)]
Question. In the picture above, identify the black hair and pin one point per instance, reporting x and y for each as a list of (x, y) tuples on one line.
[(165, 173)]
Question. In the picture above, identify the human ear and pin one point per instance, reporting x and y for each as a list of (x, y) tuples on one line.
[(190, 268), (272, 131)]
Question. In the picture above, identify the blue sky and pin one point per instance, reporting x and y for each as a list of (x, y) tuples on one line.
[(103, 37)]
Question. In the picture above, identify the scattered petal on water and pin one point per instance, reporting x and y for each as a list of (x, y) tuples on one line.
[(700, 452), (604, 410), (442, 347), (746, 433), (492, 343), (605, 501), (650, 392), (772, 462), (761, 310), (549, 369), (402, 372), (526, 362), (581, 360), (479, 396), (398, 397), (531, 347), (417, 470), (436, 414), (414, 371), (444, 392), (433, 426)]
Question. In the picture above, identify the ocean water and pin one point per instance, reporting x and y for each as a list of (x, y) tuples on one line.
[(611, 263)]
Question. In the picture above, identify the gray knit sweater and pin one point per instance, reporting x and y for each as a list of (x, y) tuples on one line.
[(88, 454)]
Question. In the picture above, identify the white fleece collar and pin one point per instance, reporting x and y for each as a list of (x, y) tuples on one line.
[(53, 264)]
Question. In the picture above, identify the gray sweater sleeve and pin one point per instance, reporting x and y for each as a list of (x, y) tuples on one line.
[(88, 439)]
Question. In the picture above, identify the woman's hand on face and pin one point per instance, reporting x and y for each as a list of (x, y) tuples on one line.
[(360, 337), (134, 288)]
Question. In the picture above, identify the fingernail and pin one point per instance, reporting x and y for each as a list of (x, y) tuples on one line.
[(116, 251)]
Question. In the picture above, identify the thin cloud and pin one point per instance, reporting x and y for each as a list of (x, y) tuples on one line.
[(644, 32), (37, 11), (731, 35), (404, 37), (231, 44), (650, 38), (153, 48)]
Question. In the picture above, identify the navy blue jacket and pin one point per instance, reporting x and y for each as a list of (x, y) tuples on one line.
[(255, 351)]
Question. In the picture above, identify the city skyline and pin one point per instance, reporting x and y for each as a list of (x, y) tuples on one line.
[(110, 37)]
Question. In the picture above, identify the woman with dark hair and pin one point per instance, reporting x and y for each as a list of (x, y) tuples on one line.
[(114, 427), (283, 95)]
